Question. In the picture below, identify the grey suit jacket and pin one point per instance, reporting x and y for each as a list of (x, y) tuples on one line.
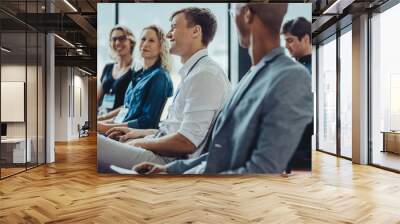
[(261, 125)]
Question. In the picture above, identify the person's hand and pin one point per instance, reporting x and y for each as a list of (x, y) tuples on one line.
[(108, 121), (102, 127), (149, 168), (117, 132), (132, 134)]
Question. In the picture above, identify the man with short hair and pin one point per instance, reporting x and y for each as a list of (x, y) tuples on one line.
[(200, 95), (261, 124), (297, 34)]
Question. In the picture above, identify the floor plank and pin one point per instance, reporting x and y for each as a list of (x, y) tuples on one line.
[(71, 191)]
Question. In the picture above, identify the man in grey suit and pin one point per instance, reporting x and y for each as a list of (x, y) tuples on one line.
[(262, 123)]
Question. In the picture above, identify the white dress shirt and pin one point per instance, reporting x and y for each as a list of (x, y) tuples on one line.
[(198, 98)]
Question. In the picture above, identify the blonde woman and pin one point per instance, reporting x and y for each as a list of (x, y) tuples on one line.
[(116, 76), (150, 86)]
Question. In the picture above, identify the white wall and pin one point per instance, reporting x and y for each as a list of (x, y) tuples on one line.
[(80, 85), (61, 104), (71, 94)]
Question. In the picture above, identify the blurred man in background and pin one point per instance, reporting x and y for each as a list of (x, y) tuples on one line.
[(297, 34)]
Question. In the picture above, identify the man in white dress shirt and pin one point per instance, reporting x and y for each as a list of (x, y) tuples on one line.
[(200, 95)]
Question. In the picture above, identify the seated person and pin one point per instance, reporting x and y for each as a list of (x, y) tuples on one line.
[(297, 34), (149, 88), (116, 76), (260, 127), (203, 89)]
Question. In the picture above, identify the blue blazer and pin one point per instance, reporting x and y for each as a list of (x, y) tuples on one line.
[(260, 127)]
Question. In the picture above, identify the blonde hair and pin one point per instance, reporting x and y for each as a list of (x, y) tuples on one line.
[(165, 56), (129, 36)]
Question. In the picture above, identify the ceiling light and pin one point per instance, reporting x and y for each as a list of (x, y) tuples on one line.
[(338, 6), (5, 50), (65, 41), (79, 51), (70, 5)]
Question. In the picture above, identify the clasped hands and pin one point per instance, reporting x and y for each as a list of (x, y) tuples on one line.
[(123, 134)]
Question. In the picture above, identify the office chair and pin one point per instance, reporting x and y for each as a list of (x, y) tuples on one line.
[(84, 130)]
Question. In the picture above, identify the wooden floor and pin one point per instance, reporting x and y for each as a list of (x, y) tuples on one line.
[(387, 159), (71, 191), (10, 171)]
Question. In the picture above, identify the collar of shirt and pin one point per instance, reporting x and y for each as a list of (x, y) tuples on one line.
[(271, 55), (267, 58), (142, 72), (189, 63), (305, 59)]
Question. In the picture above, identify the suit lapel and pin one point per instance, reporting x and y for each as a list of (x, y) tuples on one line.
[(243, 89)]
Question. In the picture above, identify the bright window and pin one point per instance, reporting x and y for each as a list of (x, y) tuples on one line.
[(346, 94), (327, 97), (385, 84)]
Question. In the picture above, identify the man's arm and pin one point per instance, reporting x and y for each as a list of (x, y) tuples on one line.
[(286, 114), (183, 165), (176, 167), (185, 141), (129, 133), (169, 145), (103, 127), (203, 98)]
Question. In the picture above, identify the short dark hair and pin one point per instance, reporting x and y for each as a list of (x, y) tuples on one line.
[(297, 27), (202, 17)]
